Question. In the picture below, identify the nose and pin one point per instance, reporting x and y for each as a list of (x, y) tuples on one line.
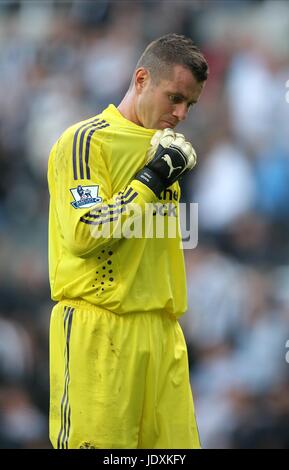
[(180, 111)]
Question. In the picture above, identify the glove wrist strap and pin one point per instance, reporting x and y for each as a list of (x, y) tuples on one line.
[(150, 179)]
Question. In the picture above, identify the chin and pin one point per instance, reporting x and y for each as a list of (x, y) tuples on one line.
[(167, 125)]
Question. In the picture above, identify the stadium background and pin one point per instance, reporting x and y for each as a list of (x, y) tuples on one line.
[(62, 61)]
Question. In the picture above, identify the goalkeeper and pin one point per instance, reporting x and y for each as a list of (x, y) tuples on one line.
[(118, 360)]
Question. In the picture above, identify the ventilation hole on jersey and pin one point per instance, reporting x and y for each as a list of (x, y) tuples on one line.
[(102, 282), (110, 253), (110, 271), (98, 257), (109, 262), (102, 288), (103, 275), (111, 279), (102, 251), (93, 285), (103, 267)]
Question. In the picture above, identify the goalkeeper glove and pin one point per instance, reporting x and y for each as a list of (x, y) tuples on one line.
[(171, 156)]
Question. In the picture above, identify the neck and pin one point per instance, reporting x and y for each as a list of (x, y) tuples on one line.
[(127, 108)]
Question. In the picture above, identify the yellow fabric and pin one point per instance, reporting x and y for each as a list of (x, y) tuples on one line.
[(124, 276), (119, 381)]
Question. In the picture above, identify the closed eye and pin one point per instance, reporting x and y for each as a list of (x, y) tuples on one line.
[(176, 99)]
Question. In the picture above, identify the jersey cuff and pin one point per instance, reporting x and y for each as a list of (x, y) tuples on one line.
[(144, 191)]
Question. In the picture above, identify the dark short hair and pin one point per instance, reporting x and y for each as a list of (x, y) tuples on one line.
[(173, 49)]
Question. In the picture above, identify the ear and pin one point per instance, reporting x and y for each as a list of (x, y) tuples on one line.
[(141, 79)]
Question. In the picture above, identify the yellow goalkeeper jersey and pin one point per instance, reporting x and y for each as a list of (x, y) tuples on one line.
[(96, 251)]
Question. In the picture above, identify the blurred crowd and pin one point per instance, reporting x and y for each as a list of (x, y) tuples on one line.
[(63, 61)]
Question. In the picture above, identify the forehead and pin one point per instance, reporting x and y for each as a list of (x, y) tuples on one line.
[(181, 80)]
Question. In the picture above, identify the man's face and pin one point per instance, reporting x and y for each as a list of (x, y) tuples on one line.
[(166, 103)]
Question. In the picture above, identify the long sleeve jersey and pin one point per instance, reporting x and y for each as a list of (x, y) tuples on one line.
[(100, 249)]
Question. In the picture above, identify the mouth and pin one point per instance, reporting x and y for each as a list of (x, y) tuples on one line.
[(170, 124)]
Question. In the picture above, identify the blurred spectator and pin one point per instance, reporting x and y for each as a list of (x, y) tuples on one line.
[(16, 358), (226, 162), (21, 424)]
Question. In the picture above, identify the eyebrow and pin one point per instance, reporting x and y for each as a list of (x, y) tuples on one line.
[(180, 95)]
